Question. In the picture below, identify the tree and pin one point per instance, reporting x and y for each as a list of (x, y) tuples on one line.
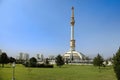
[(98, 61), (47, 61), (11, 60), (59, 61), (66, 61), (0, 60), (4, 59), (116, 62), (33, 62)]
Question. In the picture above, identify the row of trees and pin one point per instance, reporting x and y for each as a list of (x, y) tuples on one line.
[(33, 62), (4, 59)]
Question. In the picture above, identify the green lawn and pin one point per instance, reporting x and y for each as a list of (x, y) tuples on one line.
[(67, 72)]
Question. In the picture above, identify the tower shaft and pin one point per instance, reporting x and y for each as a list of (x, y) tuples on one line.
[(72, 41)]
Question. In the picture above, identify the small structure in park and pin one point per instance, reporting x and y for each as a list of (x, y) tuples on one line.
[(72, 54)]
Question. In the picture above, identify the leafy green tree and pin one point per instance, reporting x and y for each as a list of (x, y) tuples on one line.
[(4, 59), (33, 62), (116, 62), (59, 60), (47, 61), (98, 61), (11, 60)]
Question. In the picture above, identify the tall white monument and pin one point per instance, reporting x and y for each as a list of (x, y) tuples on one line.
[(72, 41), (72, 54)]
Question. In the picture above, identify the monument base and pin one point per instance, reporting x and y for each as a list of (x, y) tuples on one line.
[(73, 56)]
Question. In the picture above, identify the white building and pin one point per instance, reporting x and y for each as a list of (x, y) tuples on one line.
[(23, 56), (51, 57), (74, 55), (39, 57)]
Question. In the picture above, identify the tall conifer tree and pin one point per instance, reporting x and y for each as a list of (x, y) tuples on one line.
[(116, 62)]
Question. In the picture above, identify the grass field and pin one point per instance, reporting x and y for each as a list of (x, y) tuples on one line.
[(67, 72)]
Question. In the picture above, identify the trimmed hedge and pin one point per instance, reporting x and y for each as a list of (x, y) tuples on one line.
[(44, 66), (38, 65)]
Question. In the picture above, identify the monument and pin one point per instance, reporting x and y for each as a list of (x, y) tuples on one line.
[(72, 54)]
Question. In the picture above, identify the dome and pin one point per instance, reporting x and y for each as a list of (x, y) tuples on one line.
[(76, 55)]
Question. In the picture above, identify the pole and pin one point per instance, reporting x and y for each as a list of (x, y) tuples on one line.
[(13, 73), (71, 57), (13, 77)]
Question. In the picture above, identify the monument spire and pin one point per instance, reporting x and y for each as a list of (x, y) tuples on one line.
[(72, 54), (72, 17), (72, 41)]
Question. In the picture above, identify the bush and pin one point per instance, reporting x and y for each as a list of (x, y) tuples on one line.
[(48, 66), (44, 66), (27, 64), (33, 63)]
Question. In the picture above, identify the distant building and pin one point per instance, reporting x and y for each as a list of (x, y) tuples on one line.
[(23, 56), (0, 51), (39, 57), (51, 57), (110, 63), (26, 56)]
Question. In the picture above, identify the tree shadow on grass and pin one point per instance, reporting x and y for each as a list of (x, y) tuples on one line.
[(29, 70), (64, 66), (107, 68), (7, 67), (4, 67), (103, 69), (1, 78)]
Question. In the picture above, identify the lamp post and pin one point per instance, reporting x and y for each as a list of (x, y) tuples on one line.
[(13, 74), (71, 57)]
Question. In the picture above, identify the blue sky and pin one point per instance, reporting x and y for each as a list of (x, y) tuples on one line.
[(43, 26)]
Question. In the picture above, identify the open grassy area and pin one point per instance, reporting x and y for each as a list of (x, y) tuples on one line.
[(67, 72)]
